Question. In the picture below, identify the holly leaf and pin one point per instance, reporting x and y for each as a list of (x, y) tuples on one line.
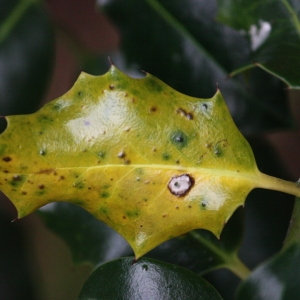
[(277, 279), (145, 279), (273, 27), (25, 66), (146, 160)]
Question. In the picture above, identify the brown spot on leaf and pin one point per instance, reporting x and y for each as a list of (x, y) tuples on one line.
[(185, 114), (6, 158), (153, 109), (47, 171), (17, 178), (121, 154)]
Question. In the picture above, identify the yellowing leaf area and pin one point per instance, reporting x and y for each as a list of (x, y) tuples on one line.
[(148, 161)]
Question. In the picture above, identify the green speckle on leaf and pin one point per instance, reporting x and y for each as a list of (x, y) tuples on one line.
[(104, 195), (101, 154), (179, 139), (79, 185), (104, 210), (166, 156), (153, 85), (132, 214), (17, 180)]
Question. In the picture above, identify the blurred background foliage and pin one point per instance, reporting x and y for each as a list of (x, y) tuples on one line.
[(191, 45)]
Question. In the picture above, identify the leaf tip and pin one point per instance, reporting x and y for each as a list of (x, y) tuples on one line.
[(110, 61)]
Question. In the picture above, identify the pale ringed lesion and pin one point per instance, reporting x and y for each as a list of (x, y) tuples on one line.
[(181, 185)]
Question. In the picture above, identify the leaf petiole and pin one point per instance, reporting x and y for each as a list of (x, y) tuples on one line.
[(272, 183), (230, 260)]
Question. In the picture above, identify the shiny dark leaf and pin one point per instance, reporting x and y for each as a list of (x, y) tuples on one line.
[(26, 55), (277, 279), (274, 30), (125, 279)]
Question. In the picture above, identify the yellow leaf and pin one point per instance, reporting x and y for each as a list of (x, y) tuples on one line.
[(148, 161)]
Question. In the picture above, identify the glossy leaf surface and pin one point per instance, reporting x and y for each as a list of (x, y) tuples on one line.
[(276, 279), (274, 31), (148, 161), (145, 279)]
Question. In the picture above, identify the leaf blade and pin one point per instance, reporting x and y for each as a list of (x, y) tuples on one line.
[(146, 160)]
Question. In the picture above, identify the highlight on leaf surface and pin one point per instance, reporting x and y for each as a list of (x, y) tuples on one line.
[(148, 161)]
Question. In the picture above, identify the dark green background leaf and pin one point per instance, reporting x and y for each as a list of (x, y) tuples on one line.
[(26, 55), (145, 279), (88, 239), (279, 53), (277, 279), (14, 285)]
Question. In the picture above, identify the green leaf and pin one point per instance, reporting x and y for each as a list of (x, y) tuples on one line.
[(278, 52), (89, 240), (145, 279), (277, 279), (26, 55), (148, 161), (293, 234)]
